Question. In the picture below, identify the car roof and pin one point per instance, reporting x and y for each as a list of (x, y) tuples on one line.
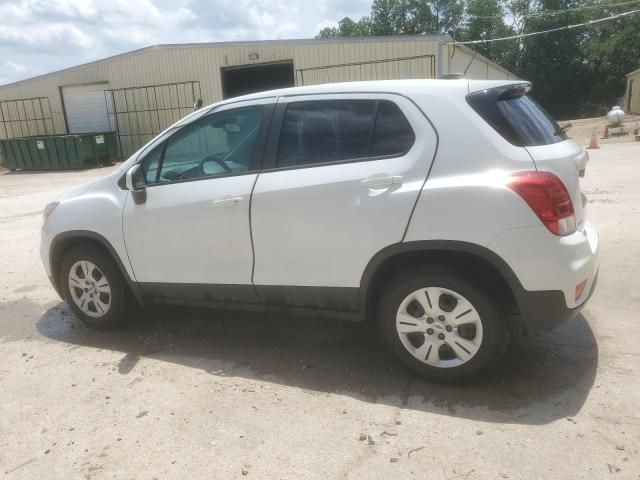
[(377, 86)]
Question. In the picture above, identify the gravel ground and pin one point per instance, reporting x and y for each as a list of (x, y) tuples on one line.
[(180, 394), (582, 129)]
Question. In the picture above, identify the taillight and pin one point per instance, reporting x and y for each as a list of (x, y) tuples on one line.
[(548, 198)]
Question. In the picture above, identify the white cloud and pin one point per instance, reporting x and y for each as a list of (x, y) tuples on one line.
[(185, 14), (46, 35), (71, 9), (17, 67)]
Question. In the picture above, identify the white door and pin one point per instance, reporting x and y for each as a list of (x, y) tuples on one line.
[(87, 109), (344, 179), (192, 232)]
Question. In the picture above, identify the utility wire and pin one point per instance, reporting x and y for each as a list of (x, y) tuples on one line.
[(553, 13), (558, 29)]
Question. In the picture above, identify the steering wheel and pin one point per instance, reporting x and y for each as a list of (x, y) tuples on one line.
[(213, 158)]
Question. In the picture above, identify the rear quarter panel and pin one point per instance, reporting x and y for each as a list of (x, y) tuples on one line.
[(464, 197)]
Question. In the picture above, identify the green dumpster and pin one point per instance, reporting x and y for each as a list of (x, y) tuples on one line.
[(56, 152)]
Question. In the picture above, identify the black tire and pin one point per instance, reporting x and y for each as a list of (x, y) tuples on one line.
[(494, 321), (116, 313)]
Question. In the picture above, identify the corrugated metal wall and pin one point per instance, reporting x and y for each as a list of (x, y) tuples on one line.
[(461, 59), (633, 93), (354, 59)]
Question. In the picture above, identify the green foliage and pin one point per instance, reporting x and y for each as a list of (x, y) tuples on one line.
[(612, 51), (485, 20), (409, 17), (347, 28), (575, 72)]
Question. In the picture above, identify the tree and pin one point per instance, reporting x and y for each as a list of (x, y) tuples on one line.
[(448, 15), (347, 28), (555, 62), (612, 50), (575, 72), (519, 11), (485, 20), (401, 17)]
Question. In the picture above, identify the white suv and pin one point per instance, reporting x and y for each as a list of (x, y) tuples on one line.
[(448, 212)]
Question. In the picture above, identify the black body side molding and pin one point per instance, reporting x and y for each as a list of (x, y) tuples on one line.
[(539, 310)]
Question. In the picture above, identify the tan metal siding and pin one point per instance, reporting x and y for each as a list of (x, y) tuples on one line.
[(460, 60), (633, 90), (202, 63)]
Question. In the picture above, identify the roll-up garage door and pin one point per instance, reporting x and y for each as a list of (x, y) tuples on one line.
[(86, 108)]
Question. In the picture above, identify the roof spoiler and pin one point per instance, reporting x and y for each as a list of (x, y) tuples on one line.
[(514, 91), (452, 76)]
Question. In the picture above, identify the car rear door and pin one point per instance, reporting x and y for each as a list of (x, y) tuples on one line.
[(341, 176)]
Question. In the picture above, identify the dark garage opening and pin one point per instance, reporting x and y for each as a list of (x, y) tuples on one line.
[(256, 78)]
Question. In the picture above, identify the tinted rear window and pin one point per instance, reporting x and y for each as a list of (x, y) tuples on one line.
[(325, 131), (516, 116)]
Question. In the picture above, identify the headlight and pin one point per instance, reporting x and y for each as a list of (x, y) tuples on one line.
[(48, 210)]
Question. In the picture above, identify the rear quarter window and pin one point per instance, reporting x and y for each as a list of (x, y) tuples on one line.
[(516, 116)]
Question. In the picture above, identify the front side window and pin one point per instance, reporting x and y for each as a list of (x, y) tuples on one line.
[(324, 131), (218, 144)]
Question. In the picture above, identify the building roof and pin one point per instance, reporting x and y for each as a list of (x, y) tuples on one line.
[(244, 43), (633, 73), (305, 41)]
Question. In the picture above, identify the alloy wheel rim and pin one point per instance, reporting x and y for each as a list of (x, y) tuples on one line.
[(439, 327), (89, 288)]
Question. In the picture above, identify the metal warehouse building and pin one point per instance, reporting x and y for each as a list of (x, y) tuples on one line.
[(138, 94), (633, 92)]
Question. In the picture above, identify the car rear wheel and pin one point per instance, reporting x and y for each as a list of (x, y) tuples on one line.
[(442, 324), (93, 287)]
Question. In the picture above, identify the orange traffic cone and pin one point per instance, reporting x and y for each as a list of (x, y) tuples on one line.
[(606, 132), (593, 143)]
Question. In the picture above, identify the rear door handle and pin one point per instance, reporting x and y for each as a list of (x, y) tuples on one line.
[(381, 182), (228, 201)]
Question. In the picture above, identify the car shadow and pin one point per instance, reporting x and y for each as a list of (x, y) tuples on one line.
[(541, 379)]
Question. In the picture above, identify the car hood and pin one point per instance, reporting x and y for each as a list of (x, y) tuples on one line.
[(75, 191)]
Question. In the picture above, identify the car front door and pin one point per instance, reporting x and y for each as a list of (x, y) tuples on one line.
[(190, 240), (340, 178)]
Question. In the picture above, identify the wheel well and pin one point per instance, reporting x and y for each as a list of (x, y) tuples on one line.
[(61, 248), (472, 264)]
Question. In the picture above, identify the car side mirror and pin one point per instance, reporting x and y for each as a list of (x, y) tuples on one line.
[(134, 181)]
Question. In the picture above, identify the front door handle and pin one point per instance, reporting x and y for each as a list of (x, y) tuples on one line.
[(228, 201), (381, 182)]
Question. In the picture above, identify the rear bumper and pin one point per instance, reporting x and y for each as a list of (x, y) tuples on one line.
[(544, 310), (548, 269), (544, 262)]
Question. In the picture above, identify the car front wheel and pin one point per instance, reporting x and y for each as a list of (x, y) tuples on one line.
[(93, 287)]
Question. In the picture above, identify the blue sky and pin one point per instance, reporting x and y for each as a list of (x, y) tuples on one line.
[(40, 36)]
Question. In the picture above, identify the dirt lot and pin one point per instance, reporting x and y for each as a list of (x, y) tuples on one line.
[(582, 129), (221, 395)]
